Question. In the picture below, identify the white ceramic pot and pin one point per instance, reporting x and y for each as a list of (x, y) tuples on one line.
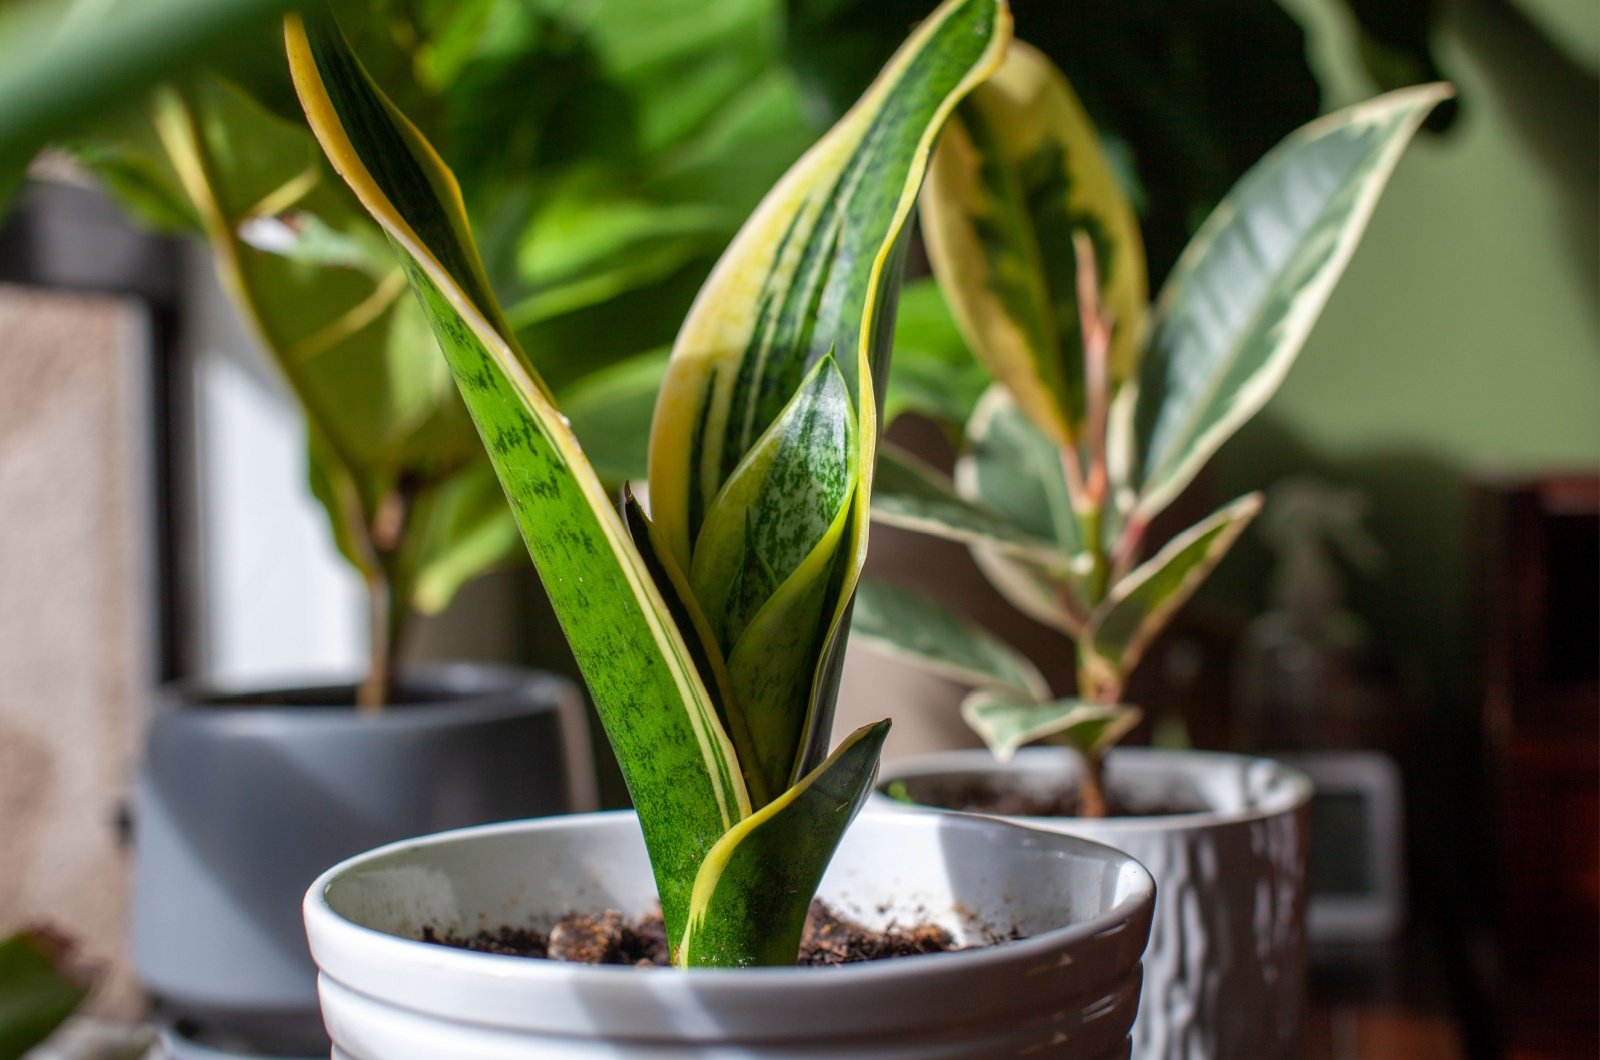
[(1069, 989), (1226, 967)]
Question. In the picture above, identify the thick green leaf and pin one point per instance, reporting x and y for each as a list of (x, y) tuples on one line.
[(913, 495), (750, 899), (1006, 723), (658, 714), (1248, 289), (813, 271), (908, 625), (36, 995), (782, 500), (1018, 172), (932, 374), (1139, 606)]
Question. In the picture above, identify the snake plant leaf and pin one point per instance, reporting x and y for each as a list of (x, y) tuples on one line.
[(1018, 171), (1139, 606), (764, 562), (36, 994), (782, 500), (1247, 290), (676, 758), (904, 624), (751, 897), (912, 494), (813, 271), (1006, 723), (933, 373)]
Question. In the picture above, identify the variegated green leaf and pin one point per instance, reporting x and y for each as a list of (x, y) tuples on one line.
[(782, 500), (751, 897), (913, 495), (677, 760), (1248, 289), (1012, 467), (813, 271), (1006, 723), (764, 560), (905, 624), (1018, 171), (1139, 606)]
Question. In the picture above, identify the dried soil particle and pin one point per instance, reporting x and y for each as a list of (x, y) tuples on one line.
[(611, 938)]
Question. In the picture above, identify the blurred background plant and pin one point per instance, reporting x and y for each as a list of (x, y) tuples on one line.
[(610, 150)]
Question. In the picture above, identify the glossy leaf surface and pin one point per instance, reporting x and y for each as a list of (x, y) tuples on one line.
[(913, 495), (1006, 723), (1018, 171), (1245, 294), (905, 624), (744, 911), (1140, 605), (1012, 467)]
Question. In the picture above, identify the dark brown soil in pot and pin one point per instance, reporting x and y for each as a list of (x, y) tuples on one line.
[(612, 938)]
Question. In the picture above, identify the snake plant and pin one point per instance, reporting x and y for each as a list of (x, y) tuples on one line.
[(710, 631), (1101, 411)]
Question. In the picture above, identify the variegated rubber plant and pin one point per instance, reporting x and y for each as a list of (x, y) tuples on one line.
[(711, 637), (1100, 414)]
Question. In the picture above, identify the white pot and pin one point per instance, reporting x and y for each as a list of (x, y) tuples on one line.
[(1068, 990), (1226, 967)]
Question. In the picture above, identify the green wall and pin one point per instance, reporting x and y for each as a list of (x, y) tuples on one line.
[(1465, 339)]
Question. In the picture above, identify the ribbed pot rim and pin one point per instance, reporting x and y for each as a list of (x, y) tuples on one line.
[(1289, 790), (323, 920)]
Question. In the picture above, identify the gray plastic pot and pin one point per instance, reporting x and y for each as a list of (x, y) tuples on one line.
[(1068, 991), (244, 799), (1225, 974)]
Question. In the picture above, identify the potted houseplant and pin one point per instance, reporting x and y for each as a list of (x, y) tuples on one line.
[(710, 632), (1097, 419), (245, 797)]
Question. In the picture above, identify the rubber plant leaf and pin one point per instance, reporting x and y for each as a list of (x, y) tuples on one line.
[(911, 494), (678, 762), (1018, 171), (1006, 723), (1139, 606), (1247, 290), (316, 281), (813, 272), (36, 993), (904, 624), (745, 911), (1010, 466)]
